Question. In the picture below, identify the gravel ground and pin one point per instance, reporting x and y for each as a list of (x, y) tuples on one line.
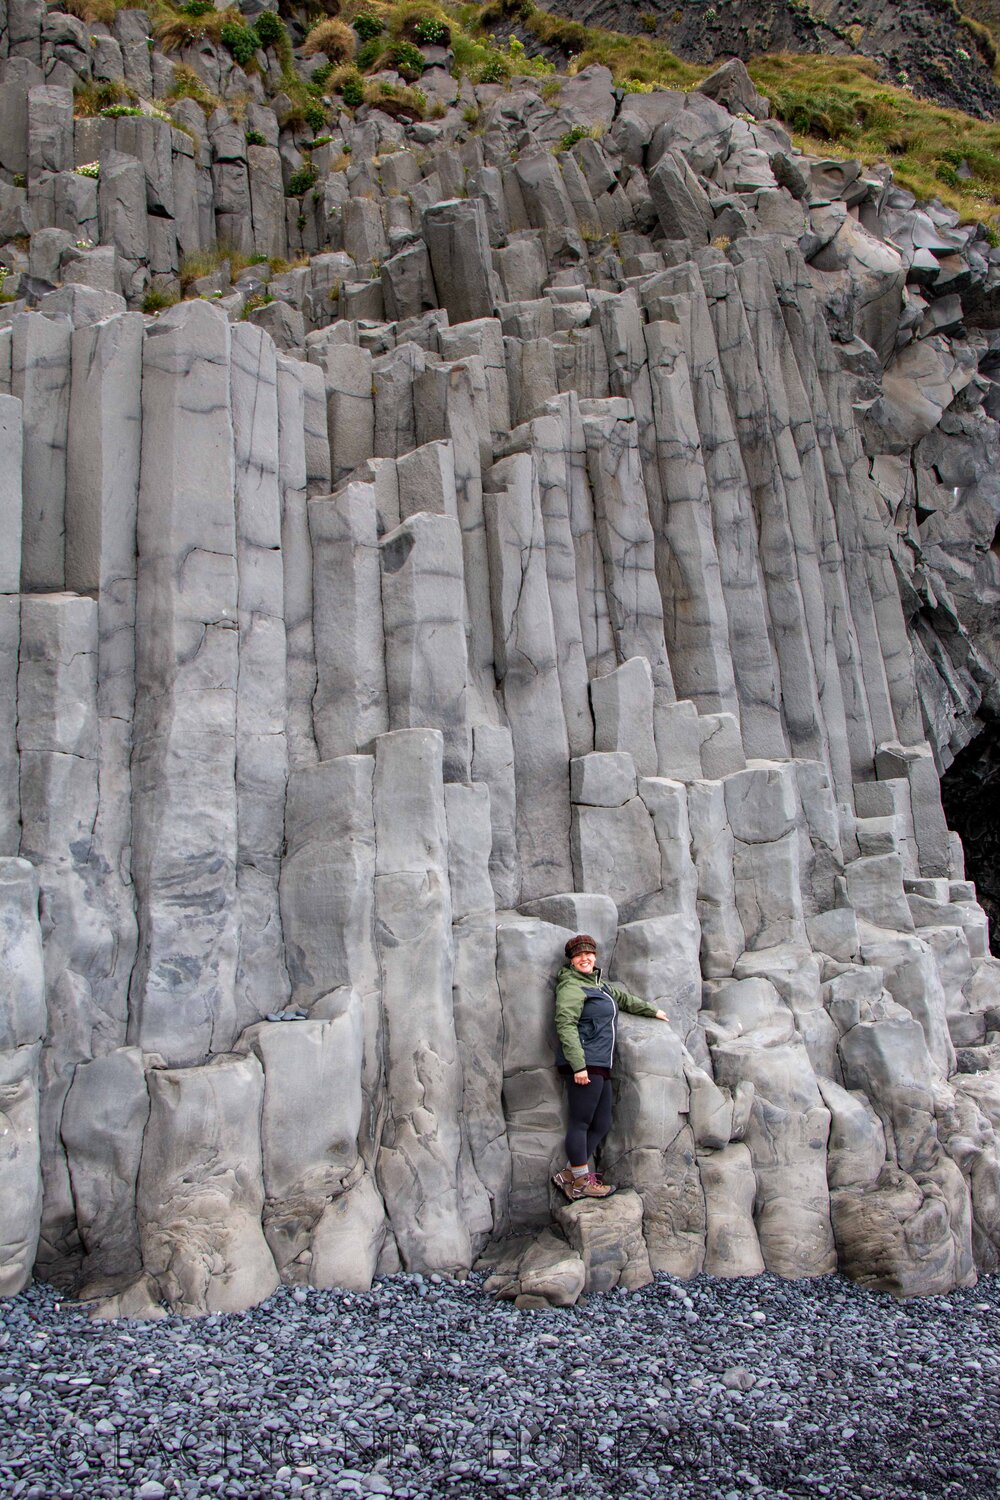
[(421, 1388)]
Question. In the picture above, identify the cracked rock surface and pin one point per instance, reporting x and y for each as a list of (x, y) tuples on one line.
[(594, 536)]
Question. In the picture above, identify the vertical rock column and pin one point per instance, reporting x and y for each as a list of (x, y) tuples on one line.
[(694, 609), (888, 661), (459, 246), (184, 762), (748, 399), (102, 484), (595, 620), (452, 401), (478, 1015), (261, 746), (40, 377), (296, 559), (327, 909), (201, 1190), (58, 743), (543, 438), (426, 663), (417, 1166), (350, 707), (526, 666), (790, 421), (679, 296), (10, 616), (626, 539), (810, 419), (22, 1026)]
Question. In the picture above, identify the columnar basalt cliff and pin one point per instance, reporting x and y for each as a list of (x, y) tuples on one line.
[(593, 531)]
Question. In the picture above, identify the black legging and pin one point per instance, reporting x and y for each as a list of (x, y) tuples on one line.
[(589, 1118)]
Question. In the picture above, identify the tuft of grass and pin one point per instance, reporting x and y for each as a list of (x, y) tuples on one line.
[(91, 99), (187, 85), (255, 300), (175, 29), (578, 133), (571, 37), (203, 262), (100, 11), (155, 301), (421, 22), (400, 103), (334, 38), (632, 59)]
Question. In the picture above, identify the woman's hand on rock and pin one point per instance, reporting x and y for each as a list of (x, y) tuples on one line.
[(661, 1015)]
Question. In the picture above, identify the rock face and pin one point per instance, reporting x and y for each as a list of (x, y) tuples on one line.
[(594, 540)]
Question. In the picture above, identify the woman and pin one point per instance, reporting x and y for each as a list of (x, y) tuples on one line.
[(587, 1022)]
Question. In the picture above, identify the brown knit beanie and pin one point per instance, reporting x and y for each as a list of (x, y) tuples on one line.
[(582, 943)]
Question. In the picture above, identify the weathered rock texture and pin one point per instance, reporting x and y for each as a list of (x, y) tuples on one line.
[(595, 540)]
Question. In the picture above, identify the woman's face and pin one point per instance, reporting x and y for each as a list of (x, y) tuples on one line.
[(584, 963)]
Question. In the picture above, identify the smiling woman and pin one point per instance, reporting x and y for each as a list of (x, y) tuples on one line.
[(587, 1009)]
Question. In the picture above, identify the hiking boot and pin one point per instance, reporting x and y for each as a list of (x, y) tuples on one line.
[(581, 1187)]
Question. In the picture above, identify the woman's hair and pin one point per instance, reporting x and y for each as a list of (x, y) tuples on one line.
[(582, 943)]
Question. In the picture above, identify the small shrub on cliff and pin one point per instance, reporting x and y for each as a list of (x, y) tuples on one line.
[(495, 69), (241, 40), (368, 26), (271, 29), (569, 140), (352, 90), (407, 60), (431, 31), (301, 181)]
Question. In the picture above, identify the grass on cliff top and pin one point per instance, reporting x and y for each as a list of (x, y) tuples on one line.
[(839, 107), (834, 106)]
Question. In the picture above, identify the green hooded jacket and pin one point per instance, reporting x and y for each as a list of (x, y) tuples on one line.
[(571, 996)]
